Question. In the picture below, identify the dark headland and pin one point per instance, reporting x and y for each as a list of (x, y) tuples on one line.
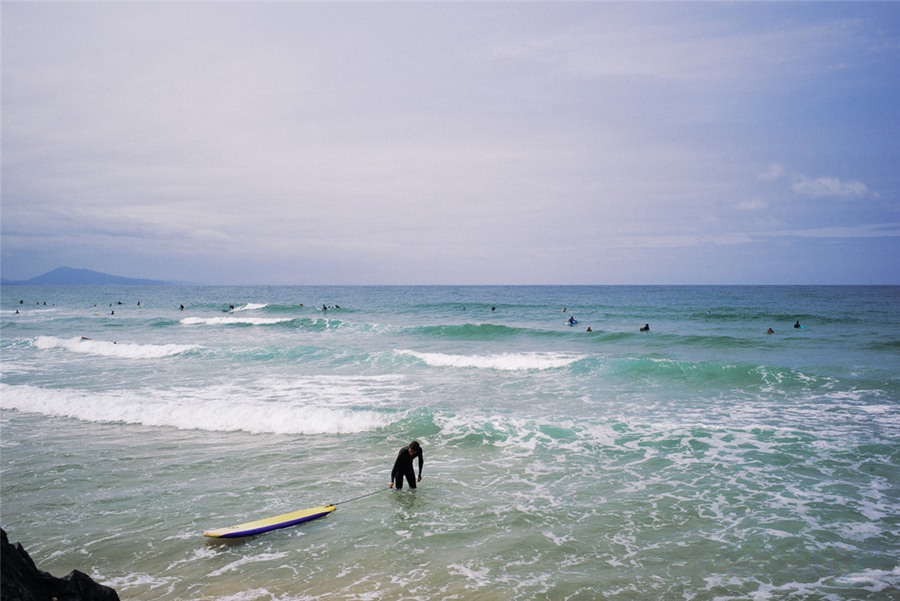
[(68, 276)]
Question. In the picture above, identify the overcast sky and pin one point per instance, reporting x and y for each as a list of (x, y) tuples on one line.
[(453, 143)]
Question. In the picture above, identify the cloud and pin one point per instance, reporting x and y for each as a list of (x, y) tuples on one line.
[(773, 173), (820, 187), (665, 45), (752, 205), (405, 143), (880, 230), (829, 187)]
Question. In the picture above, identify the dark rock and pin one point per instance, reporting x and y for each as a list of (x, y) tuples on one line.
[(21, 580)]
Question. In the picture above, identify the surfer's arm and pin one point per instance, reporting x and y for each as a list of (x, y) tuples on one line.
[(397, 466)]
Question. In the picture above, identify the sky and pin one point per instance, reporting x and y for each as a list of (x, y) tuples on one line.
[(281, 143)]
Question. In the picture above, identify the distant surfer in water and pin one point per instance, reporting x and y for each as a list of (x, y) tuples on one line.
[(797, 325), (403, 466), (646, 328)]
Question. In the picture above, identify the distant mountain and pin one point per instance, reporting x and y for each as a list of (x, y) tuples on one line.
[(83, 277)]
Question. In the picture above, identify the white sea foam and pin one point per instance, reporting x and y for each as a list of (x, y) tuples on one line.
[(136, 580), (478, 576), (877, 409), (198, 554), (859, 531), (249, 595), (251, 307), (354, 390), (216, 408), (873, 580), (501, 362), (231, 321), (105, 348), (234, 565)]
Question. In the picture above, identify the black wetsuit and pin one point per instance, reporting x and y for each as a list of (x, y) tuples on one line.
[(404, 467)]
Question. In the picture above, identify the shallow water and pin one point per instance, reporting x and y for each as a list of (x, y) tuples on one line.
[(704, 459)]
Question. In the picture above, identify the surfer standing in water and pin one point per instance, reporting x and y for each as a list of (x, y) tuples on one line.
[(403, 466)]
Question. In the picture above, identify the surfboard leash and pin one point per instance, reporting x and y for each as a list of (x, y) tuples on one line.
[(363, 496)]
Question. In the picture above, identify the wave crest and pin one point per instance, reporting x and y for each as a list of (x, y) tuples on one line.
[(501, 362), (104, 348), (193, 410)]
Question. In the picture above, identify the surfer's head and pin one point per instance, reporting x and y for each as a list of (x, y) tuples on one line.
[(414, 448)]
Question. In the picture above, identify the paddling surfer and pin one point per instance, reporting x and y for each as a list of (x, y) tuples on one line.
[(403, 466)]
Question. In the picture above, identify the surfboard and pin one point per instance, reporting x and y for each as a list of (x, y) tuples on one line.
[(273, 523)]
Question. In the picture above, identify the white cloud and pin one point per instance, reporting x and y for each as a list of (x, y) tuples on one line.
[(868, 230), (774, 172), (830, 187), (820, 187), (752, 205)]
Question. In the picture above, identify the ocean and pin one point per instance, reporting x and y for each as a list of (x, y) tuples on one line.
[(704, 459)]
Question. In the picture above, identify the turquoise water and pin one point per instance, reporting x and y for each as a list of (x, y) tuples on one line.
[(704, 459)]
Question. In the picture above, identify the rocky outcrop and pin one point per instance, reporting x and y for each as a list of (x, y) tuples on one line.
[(21, 580)]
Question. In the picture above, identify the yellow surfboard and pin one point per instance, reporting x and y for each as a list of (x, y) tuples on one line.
[(273, 523)]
